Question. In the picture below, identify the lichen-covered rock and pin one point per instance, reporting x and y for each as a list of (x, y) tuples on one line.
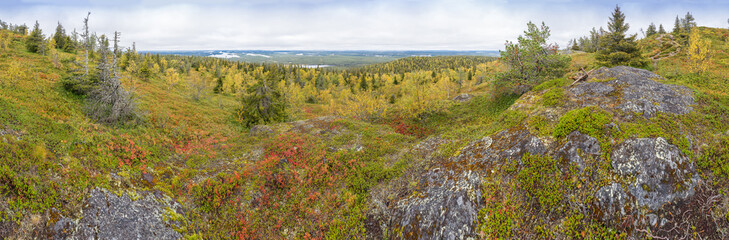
[(662, 172), (632, 90), (445, 207), (446, 202), (63, 228), (503, 146), (575, 144), (611, 201), (108, 216)]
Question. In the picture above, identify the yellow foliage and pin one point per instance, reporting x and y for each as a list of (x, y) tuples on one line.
[(172, 77), (39, 152), (15, 72), (363, 106), (5, 40), (698, 52)]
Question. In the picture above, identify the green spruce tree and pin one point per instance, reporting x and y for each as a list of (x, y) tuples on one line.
[(651, 30), (616, 47), (60, 37), (262, 104), (688, 22), (676, 26), (34, 42)]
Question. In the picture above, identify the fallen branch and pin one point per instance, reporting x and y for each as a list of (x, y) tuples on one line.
[(581, 77)]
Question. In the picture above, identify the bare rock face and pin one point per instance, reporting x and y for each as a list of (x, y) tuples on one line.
[(445, 207), (447, 200), (577, 146), (632, 90), (108, 216), (662, 172), (507, 145), (611, 201), (662, 175)]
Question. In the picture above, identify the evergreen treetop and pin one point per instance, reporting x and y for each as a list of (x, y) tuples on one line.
[(616, 48), (35, 40)]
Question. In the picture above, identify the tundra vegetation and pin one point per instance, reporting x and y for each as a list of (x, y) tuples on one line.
[(267, 151)]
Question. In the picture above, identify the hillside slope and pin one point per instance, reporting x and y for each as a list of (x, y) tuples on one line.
[(628, 153)]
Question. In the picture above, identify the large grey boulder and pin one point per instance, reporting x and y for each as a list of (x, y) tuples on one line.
[(632, 90), (108, 216)]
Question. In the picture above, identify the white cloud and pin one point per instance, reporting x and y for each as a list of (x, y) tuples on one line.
[(340, 25)]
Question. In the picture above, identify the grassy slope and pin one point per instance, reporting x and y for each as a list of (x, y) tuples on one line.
[(52, 155)]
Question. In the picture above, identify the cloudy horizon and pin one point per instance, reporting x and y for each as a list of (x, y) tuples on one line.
[(348, 24)]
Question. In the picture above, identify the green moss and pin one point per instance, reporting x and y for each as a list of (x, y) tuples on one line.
[(714, 161), (553, 98), (577, 226), (589, 120), (554, 83), (511, 119), (540, 125)]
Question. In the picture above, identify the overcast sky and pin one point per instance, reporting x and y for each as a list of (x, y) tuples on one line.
[(346, 24)]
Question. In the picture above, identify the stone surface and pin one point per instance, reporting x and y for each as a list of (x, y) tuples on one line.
[(445, 207), (63, 228), (108, 216), (632, 90), (258, 130), (463, 97), (662, 172), (447, 197), (577, 146), (611, 201), (503, 146)]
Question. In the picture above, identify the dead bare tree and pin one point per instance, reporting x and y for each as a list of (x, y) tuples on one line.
[(109, 102), (87, 42)]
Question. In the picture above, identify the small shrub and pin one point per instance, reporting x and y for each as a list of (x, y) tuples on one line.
[(501, 214), (577, 226), (78, 85), (511, 118), (714, 160), (589, 120), (553, 98), (540, 179), (557, 82)]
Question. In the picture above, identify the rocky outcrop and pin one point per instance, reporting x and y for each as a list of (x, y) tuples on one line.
[(661, 175), (446, 202), (444, 208), (611, 202), (632, 90), (259, 130), (109, 216), (507, 145)]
